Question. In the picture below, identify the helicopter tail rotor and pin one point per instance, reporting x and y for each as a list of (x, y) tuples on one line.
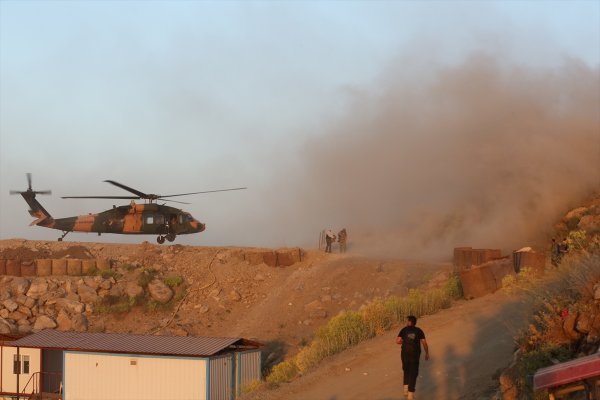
[(30, 190), (36, 210)]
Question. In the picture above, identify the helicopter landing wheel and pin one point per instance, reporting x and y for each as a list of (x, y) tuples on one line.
[(170, 237), (60, 239), (160, 239)]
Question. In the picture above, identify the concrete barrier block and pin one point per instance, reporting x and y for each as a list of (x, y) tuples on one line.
[(74, 267), (59, 267), (287, 257), (27, 268), (88, 266), (44, 267), (13, 267), (477, 282)]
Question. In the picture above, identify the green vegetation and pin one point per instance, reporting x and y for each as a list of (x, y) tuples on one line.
[(114, 304), (173, 281), (109, 273), (565, 292), (352, 327), (146, 276), (128, 267)]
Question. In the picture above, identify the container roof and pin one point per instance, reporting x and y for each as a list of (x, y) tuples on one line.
[(188, 346)]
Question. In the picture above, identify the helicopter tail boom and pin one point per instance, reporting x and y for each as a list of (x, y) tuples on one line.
[(36, 210)]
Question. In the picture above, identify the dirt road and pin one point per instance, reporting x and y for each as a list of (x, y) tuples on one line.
[(469, 343)]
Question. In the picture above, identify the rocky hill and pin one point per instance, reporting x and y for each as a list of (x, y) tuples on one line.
[(279, 295)]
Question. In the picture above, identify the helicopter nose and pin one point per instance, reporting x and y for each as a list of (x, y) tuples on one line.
[(198, 226)]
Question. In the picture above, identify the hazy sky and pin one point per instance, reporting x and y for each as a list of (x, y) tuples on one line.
[(181, 96)]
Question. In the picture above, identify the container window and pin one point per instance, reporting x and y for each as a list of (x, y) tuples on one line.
[(16, 365), (25, 364)]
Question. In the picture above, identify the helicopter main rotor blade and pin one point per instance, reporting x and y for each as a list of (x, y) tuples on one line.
[(140, 195), (175, 201), (206, 191), (99, 197)]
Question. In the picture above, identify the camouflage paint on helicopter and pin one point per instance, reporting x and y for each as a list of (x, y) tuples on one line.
[(133, 219)]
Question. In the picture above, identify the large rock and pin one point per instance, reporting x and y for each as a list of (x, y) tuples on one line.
[(38, 287), (87, 294), (116, 291), (134, 290), (6, 327), (159, 291), (79, 323), (25, 311), (569, 325), (16, 316), (106, 284), (589, 223), (19, 285), (575, 213), (24, 328), (44, 322), (71, 306), (10, 305), (597, 292), (51, 296), (93, 282), (4, 292), (63, 321), (29, 302)]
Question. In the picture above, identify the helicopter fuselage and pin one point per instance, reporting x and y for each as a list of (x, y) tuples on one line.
[(134, 219)]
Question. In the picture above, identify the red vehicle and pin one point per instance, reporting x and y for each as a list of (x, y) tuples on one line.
[(575, 379)]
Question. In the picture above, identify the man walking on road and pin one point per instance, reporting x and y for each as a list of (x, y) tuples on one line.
[(411, 338)]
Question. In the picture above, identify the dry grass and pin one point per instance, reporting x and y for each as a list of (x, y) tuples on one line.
[(349, 328), (568, 289)]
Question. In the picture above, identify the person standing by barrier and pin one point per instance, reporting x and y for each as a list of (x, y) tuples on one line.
[(411, 338), (329, 239)]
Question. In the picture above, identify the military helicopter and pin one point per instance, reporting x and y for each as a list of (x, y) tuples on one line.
[(149, 218)]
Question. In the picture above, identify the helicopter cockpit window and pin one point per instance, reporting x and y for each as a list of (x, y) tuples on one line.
[(159, 219), (188, 218), (149, 219)]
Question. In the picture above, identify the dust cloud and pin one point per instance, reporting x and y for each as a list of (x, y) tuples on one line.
[(484, 153)]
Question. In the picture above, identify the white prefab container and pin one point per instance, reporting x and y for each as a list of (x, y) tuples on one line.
[(97, 376), (221, 377), (247, 369), (100, 366), (28, 365)]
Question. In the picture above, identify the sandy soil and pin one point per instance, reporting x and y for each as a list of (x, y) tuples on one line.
[(282, 307), (469, 343), (228, 296)]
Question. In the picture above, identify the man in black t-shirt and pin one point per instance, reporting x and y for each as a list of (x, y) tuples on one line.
[(411, 338)]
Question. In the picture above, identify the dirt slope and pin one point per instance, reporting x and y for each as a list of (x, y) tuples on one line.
[(468, 343), (228, 296)]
